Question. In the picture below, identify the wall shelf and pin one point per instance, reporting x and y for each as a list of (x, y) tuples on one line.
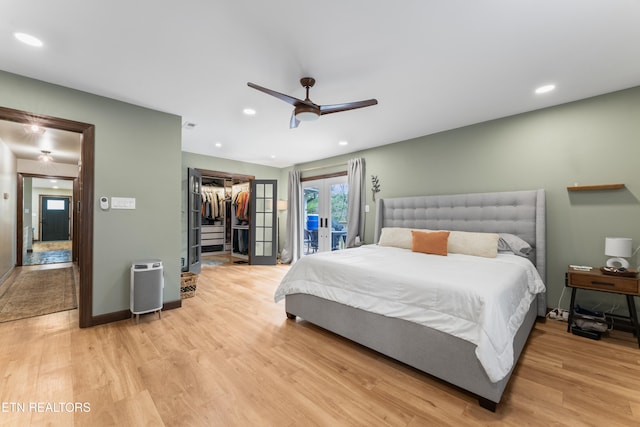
[(595, 187)]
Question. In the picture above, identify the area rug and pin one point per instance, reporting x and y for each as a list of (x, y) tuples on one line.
[(38, 292)]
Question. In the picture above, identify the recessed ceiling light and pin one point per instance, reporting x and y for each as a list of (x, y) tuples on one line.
[(545, 89), (249, 111), (273, 156), (34, 129), (343, 142), (28, 39), (218, 144)]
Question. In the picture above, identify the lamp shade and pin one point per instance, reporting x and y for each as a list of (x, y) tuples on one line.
[(619, 248), (282, 205)]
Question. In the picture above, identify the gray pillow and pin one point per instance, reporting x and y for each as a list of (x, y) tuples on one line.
[(513, 243)]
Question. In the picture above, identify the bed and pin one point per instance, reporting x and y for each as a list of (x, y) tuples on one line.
[(480, 356)]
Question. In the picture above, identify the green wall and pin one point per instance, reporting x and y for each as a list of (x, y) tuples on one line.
[(594, 141), (137, 154)]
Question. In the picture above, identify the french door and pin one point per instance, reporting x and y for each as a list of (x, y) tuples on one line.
[(325, 214), (194, 221)]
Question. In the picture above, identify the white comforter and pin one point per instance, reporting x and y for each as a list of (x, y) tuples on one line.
[(481, 300)]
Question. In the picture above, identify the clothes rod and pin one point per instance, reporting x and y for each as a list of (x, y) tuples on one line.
[(323, 167)]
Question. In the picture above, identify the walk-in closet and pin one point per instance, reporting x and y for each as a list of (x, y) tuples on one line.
[(231, 214)]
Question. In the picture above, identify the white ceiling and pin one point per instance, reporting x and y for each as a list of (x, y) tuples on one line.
[(62, 184), (432, 65), (64, 146)]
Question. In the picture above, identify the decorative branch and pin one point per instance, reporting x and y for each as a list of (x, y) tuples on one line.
[(375, 186)]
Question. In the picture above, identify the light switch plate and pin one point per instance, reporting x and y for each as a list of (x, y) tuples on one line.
[(123, 203)]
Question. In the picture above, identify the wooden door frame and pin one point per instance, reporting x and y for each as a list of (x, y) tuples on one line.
[(83, 205)]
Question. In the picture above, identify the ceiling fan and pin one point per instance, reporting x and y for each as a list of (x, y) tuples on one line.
[(306, 111)]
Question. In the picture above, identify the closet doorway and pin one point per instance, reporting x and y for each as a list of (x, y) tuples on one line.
[(325, 214), (218, 225)]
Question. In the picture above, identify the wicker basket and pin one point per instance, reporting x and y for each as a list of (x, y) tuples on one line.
[(188, 283)]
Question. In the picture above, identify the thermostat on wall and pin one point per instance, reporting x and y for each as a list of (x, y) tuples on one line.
[(104, 203)]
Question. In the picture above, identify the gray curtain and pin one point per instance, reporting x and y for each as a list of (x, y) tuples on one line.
[(355, 222), (292, 250)]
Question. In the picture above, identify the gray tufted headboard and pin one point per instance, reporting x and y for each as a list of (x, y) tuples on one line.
[(517, 212)]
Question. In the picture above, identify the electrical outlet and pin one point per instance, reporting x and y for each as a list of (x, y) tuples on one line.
[(559, 314)]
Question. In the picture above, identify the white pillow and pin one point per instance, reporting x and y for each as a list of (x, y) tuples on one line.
[(476, 244), (396, 237), (460, 242)]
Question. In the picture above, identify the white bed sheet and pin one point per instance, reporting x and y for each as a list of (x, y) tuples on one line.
[(481, 300)]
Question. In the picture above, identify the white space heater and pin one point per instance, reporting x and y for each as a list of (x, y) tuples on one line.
[(147, 283)]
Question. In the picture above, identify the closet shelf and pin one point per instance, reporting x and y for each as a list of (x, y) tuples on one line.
[(595, 187)]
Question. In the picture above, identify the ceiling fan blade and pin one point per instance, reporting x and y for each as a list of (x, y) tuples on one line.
[(286, 98), (294, 122), (336, 108)]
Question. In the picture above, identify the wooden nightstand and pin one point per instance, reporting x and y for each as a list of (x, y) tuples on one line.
[(595, 280)]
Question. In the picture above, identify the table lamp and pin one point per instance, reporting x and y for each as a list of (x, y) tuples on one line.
[(619, 248)]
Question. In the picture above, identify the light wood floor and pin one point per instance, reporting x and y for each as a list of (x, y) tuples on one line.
[(229, 357)]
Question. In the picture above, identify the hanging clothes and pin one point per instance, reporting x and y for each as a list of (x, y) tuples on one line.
[(241, 203), (212, 202)]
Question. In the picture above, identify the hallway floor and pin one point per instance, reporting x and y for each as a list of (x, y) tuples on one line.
[(48, 253)]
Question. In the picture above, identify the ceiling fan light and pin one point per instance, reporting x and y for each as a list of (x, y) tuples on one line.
[(306, 114)]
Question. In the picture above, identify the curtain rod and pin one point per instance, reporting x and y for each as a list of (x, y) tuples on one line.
[(323, 167)]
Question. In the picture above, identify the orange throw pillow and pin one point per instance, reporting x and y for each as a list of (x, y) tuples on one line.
[(430, 242)]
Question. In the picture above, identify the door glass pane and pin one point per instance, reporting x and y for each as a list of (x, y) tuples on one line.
[(264, 220), (310, 208), (55, 205), (339, 194)]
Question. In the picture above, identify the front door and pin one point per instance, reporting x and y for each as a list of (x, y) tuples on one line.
[(55, 218)]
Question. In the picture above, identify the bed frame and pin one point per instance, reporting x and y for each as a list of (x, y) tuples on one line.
[(444, 356)]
